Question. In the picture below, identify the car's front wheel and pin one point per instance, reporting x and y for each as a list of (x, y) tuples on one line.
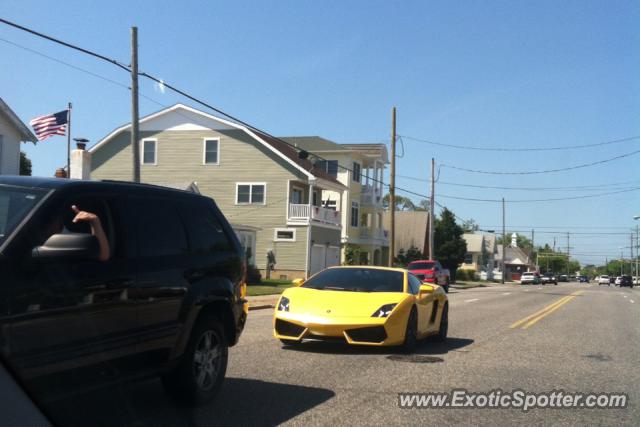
[(200, 373), (411, 333), (444, 324)]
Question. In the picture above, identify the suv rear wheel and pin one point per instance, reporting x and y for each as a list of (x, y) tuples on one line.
[(201, 371)]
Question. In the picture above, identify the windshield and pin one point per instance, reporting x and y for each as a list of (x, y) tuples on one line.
[(15, 204), (421, 265), (357, 280)]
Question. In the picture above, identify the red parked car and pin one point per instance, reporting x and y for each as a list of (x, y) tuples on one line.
[(430, 271)]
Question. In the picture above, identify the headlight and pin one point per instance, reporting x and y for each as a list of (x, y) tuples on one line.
[(283, 305), (384, 311)]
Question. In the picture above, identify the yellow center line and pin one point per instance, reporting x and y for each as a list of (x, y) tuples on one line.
[(533, 318)]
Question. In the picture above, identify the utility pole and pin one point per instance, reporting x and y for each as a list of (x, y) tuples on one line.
[(432, 205), (392, 189), (568, 252), (631, 259), (533, 248), (135, 145), (69, 141), (504, 236), (637, 248)]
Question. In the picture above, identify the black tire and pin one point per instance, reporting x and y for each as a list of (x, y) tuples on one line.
[(289, 342), (411, 333), (444, 324), (202, 368)]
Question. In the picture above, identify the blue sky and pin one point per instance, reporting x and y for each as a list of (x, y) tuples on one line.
[(494, 73)]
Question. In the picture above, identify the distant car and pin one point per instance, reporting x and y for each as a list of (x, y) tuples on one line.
[(635, 280), (563, 278), (612, 279), (604, 280), (583, 279), (618, 281), (430, 271), (626, 281), (530, 277), (549, 278)]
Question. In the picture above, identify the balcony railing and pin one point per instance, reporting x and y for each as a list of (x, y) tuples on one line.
[(304, 213), (373, 233), (371, 195)]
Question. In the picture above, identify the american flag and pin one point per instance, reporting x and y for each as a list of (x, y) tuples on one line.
[(49, 125)]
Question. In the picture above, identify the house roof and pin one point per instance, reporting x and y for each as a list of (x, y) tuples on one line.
[(286, 152), (490, 241), (25, 132), (314, 143), (411, 229), (474, 242), (515, 256)]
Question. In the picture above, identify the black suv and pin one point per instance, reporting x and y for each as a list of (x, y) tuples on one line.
[(626, 281), (166, 298)]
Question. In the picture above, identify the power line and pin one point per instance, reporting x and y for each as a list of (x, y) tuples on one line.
[(566, 147), (599, 162), (69, 45), (540, 200), (570, 188)]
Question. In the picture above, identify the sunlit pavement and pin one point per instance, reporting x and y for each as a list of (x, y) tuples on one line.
[(575, 337)]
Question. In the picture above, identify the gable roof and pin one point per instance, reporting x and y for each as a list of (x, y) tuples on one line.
[(513, 255), (287, 153), (474, 242), (314, 143), (24, 131)]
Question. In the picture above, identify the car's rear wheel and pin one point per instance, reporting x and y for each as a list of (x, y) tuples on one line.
[(444, 324), (202, 368), (411, 333)]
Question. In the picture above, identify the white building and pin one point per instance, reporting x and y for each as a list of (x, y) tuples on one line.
[(12, 132)]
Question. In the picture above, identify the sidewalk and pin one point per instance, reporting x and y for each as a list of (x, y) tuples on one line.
[(263, 301)]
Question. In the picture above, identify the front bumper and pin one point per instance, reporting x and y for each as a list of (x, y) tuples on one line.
[(371, 331)]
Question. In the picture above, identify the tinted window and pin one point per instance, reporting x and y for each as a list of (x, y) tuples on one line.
[(160, 231), (357, 279), (414, 284), (205, 233), (15, 204), (421, 265)]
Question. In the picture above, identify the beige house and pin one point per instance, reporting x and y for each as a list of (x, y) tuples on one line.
[(481, 252), (271, 196), (12, 132), (360, 168)]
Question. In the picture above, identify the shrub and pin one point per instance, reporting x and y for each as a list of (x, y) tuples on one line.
[(253, 275)]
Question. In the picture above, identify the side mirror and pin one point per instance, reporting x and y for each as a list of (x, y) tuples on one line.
[(68, 246), (297, 282), (426, 289)]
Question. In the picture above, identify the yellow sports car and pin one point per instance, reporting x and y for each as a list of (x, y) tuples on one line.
[(362, 305)]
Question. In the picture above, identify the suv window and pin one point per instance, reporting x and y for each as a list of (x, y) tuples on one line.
[(205, 233), (414, 284), (160, 230)]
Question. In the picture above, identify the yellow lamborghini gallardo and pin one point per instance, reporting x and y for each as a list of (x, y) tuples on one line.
[(362, 305)]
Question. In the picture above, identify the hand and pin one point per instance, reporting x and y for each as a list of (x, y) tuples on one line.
[(82, 216)]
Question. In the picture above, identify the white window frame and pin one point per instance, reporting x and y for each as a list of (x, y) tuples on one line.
[(279, 239), (204, 151), (251, 184), (155, 157)]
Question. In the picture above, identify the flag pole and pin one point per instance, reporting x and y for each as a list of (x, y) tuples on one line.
[(69, 141)]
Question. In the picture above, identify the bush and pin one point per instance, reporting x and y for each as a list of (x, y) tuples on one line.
[(464, 274), (253, 275)]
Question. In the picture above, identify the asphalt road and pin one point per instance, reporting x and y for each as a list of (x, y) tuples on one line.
[(589, 343)]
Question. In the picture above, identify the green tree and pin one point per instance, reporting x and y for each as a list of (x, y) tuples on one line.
[(412, 254), (423, 205), (25, 164), (470, 225), (449, 246), (351, 254), (402, 203)]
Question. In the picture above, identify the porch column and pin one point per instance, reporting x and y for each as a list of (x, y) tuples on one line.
[(310, 201)]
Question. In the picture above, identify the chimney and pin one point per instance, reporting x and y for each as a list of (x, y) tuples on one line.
[(80, 160), (60, 173)]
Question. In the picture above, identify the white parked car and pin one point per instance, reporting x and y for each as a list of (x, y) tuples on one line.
[(603, 280), (618, 280)]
